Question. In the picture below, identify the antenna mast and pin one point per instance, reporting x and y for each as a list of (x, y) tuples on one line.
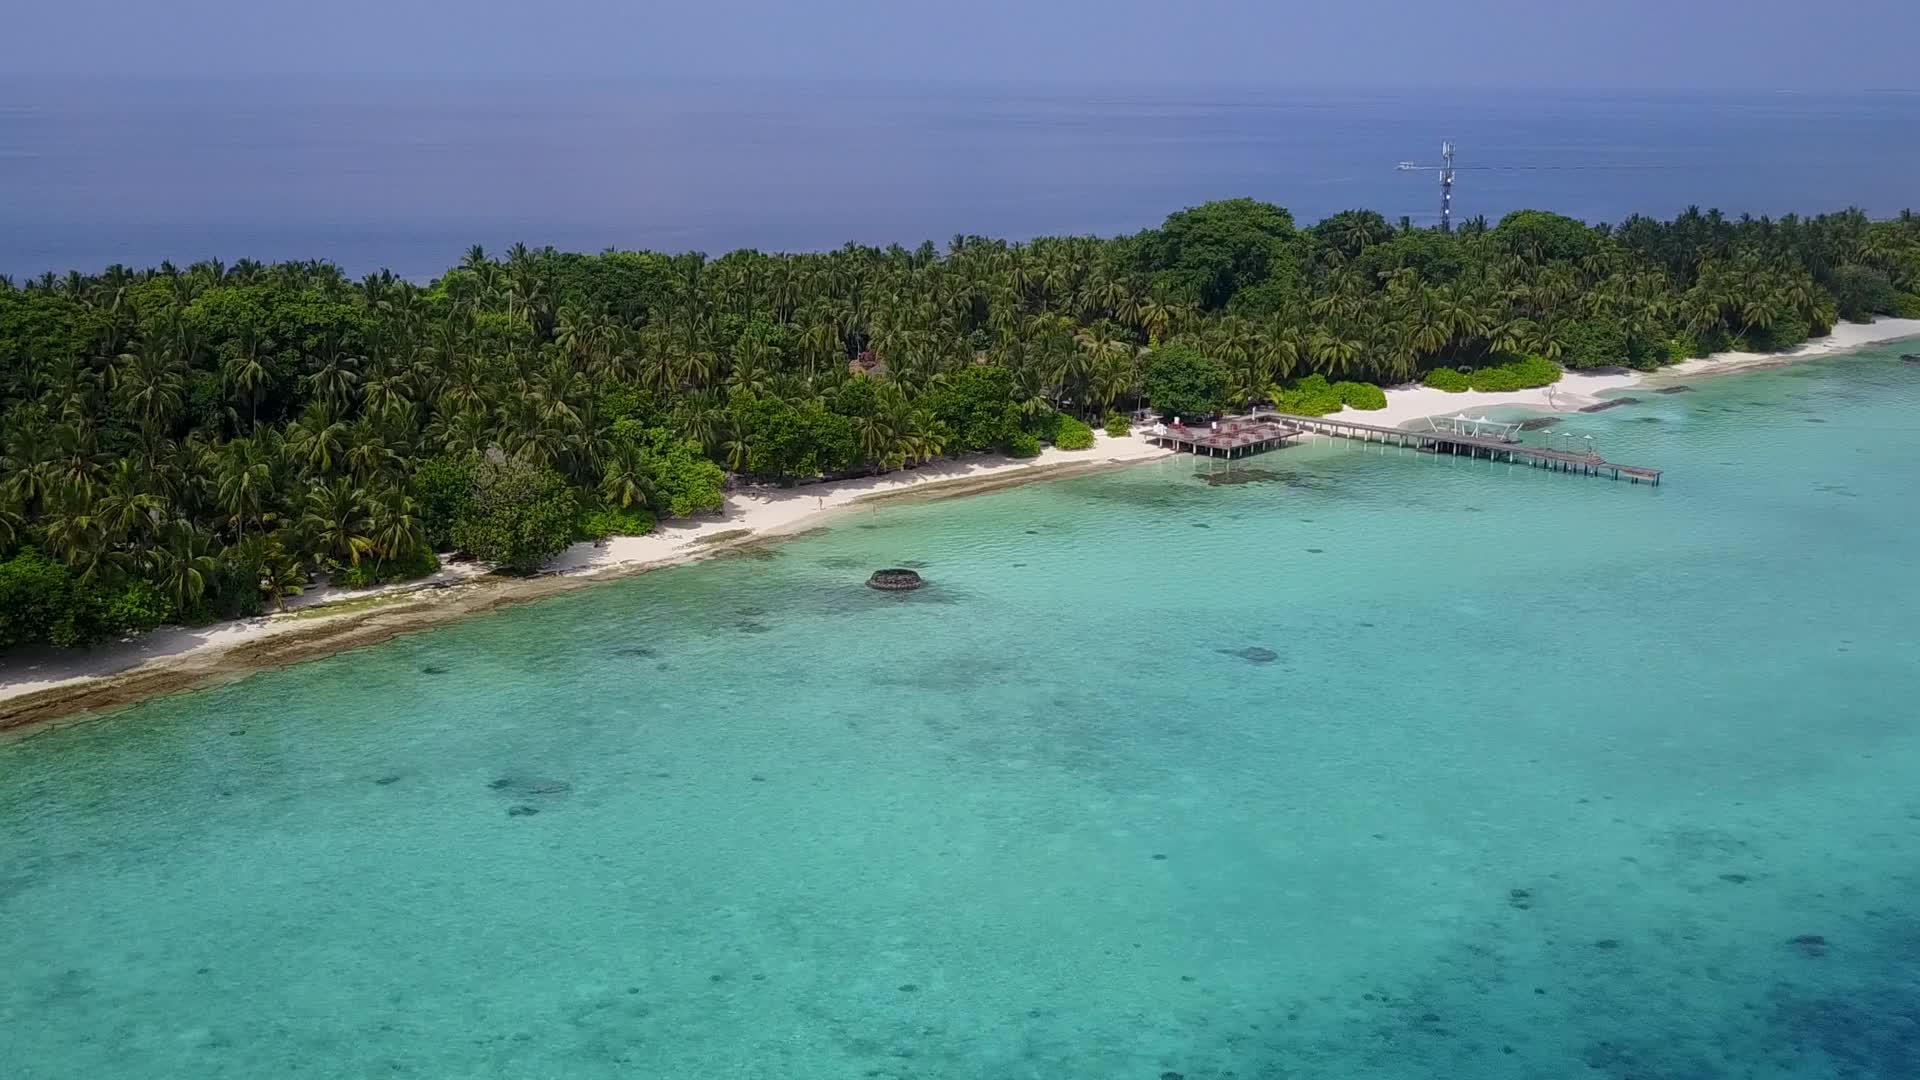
[(1445, 169)]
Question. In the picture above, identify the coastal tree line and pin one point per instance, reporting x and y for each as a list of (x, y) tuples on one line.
[(182, 444)]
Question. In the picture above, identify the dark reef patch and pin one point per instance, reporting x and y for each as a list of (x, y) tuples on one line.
[(524, 786), (895, 579), (1253, 653), (1809, 944)]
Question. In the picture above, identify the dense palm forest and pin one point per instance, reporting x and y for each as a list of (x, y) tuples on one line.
[(183, 444)]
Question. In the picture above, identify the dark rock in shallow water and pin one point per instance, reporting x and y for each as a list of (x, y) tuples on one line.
[(1033, 532), (1316, 551), (432, 669), (522, 785), (385, 780), (1603, 406), (895, 579), (1253, 653), (1735, 879), (1538, 422), (1247, 475), (522, 811), (1201, 525), (1607, 944), (1911, 357), (1674, 390), (1810, 944)]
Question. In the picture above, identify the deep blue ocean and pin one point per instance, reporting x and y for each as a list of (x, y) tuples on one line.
[(407, 175)]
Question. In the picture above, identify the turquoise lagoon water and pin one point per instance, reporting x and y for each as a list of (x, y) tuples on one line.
[(1548, 777)]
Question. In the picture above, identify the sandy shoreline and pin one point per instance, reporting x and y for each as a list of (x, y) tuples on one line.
[(1577, 388), (45, 685), (36, 687)]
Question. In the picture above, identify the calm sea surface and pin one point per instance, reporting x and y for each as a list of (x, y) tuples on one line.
[(1548, 777), (406, 176)]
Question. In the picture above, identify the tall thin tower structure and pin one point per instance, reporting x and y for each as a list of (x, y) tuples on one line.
[(1445, 169)]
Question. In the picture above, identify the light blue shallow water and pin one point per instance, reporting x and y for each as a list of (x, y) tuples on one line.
[(1546, 778)]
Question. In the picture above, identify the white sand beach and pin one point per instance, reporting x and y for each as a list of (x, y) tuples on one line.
[(200, 654), (1580, 388), (750, 514)]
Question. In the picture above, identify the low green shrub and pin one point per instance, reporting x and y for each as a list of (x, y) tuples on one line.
[(1046, 428), (1311, 396), (1360, 395), (140, 606), (605, 521), (1906, 305), (1118, 426), (1522, 374), (370, 572), (1023, 445), (1785, 333), (1071, 434)]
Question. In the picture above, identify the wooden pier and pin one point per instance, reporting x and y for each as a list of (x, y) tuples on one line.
[(1586, 464), (1230, 439)]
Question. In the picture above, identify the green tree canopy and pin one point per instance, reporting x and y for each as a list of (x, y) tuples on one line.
[(1214, 250), (1182, 381), (521, 515)]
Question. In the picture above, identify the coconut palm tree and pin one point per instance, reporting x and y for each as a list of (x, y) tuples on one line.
[(336, 522)]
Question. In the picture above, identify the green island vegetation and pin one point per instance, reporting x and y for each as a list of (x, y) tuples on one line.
[(1522, 374), (181, 444)]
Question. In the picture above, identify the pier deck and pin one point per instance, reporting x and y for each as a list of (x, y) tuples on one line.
[(1233, 438), (1586, 464)]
